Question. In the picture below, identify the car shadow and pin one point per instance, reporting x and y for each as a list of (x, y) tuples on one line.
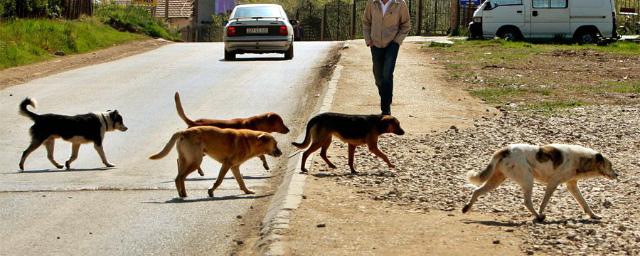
[(65, 170), (179, 200), (253, 59)]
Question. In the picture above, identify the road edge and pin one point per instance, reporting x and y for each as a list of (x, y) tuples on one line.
[(290, 191)]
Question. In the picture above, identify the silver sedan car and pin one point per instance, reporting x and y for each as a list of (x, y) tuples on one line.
[(258, 28)]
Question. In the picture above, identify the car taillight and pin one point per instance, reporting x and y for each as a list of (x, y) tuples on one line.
[(283, 31), (231, 31)]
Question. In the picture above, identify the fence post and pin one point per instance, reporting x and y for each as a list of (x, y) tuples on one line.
[(353, 20), (166, 10), (419, 32), (322, 21), (455, 18)]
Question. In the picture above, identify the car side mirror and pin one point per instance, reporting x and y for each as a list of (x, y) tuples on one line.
[(293, 22)]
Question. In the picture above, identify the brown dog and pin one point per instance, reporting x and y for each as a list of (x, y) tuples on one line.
[(267, 122), (352, 129), (230, 147)]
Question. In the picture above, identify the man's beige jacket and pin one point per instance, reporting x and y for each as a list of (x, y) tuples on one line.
[(393, 26)]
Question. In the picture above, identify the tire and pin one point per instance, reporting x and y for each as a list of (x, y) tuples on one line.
[(229, 56), (509, 34), (586, 37), (289, 53)]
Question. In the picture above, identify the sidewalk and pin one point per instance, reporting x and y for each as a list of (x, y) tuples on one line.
[(340, 217)]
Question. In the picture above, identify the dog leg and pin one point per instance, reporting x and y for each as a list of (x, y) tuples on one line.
[(100, 151), (491, 184), (35, 143), (74, 155), (200, 171), (323, 153), (352, 152), (264, 162), (373, 147), (236, 173), (223, 171), (49, 144), (527, 190), (551, 187), (572, 186), (314, 146)]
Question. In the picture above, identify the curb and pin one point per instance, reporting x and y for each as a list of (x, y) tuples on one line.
[(290, 192)]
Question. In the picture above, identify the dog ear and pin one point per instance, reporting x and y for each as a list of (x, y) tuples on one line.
[(263, 137), (599, 158)]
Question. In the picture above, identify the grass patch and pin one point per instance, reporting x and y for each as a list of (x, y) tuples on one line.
[(26, 41), (134, 19), (543, 77)]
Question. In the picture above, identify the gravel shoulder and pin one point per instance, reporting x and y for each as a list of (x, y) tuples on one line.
[(341, 217), (23, 74)]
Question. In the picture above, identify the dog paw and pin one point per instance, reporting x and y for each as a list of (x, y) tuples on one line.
[(466, 208), (266, 167), (540, 218), (201, 172), (332, 166), (210, 192), (67, 165), (109, 165), (59, 166), (595, 217), (248, 192)]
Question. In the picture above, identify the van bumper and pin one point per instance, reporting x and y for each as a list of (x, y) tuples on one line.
[(475, 30)]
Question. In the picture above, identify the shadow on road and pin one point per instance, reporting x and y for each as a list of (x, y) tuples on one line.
[(518, 224), (253, 59), (65, 170), (226, 178), (178, 200)]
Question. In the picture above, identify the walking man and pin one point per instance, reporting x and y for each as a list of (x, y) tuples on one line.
[(385, 24)]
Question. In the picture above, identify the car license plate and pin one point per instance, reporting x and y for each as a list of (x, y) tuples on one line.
[(257, 30)]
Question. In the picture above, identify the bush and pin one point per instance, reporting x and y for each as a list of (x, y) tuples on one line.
[(30, 8), (134, 19)]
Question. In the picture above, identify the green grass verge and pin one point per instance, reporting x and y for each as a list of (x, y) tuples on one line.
[(134, 19), (26, 41)]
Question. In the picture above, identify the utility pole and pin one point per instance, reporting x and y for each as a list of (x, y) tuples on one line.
[(324, 19), (419, 32), (353, 20), (166, 10)]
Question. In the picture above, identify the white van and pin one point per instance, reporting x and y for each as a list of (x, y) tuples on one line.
[(584, 21)]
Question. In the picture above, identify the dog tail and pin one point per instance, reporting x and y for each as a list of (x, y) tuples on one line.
[(307, 137), (168, 147), (23, 108), (181, 111), (478, 178)]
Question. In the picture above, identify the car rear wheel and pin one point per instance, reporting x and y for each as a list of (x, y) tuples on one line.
[(229, 55), (289, 53)]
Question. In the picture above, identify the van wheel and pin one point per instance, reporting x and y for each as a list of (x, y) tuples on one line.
[(586, 37), (509, 34), (289, 53), (228, 56)]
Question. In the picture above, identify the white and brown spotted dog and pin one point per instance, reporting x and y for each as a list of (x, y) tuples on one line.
[(550, 164)]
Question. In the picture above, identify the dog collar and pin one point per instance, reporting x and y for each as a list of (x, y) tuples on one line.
[(104, 119)]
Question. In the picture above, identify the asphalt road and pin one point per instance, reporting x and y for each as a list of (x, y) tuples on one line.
[(132, 209)]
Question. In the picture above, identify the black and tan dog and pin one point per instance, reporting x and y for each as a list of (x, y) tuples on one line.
[(230, 147), (267, 122), (78, 129), (353, 129)]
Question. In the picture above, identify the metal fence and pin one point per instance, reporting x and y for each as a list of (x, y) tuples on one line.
[(628, 16)]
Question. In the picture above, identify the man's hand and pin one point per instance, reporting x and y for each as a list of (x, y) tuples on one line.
[(369, 42)]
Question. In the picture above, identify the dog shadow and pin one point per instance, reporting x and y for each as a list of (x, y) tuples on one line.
[(226, 178), (515, 224), (333, 174), (97, 169), (180, 200)]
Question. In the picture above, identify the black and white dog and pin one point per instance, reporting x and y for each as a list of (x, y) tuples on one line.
[(77, 129)]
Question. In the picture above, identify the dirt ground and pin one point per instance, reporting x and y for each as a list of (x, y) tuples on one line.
[(23, 74), (336, 219)]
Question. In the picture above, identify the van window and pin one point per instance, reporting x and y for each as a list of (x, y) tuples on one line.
[(506, 2), (550, 4)]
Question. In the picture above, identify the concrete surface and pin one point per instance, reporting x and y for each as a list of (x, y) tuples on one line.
[(132, 209)]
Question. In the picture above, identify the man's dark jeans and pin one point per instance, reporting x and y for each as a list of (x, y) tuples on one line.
[(384, 62)]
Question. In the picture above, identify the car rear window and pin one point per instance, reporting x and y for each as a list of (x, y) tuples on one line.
[(257, 11)]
